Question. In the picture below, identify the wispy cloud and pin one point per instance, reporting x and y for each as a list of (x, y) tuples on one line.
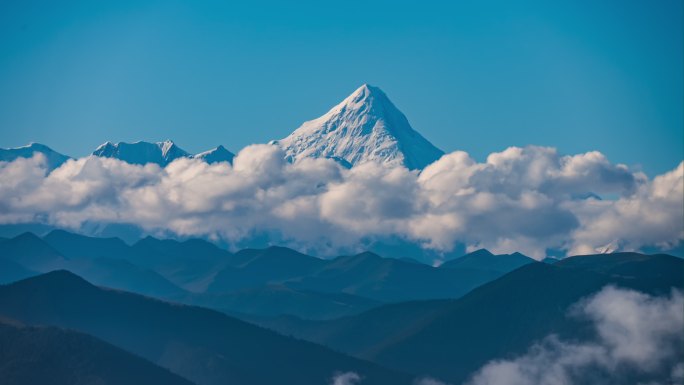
[(347, 378), (429, 381), (638, 341), (522, 199)]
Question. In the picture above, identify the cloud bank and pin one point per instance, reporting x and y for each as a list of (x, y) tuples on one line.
[(639, 340), (522, 199)]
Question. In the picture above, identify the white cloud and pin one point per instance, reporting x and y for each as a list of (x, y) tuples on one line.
[(653, 215), (429, 381), (638, 340), (521, 199), (347, 378)]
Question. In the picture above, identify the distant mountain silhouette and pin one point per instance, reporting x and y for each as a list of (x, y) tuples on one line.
[(392, 280), (81, 246), (450, 339), (11, 271), (483, 260), (49, 355), (264, 266), (274, 300), (189, 264), (34, 254), (193, 263), (202, 345), (366, 275), (261, 282)]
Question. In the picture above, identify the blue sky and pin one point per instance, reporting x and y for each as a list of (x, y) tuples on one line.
[(474, 75)]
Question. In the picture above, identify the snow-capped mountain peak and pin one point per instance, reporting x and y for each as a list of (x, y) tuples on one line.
[(366, 126), (218, 154), (53, 158), (161, 153)]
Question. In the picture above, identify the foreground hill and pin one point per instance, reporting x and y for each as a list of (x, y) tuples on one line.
[(49, 355), (202, 345), (450, 339)]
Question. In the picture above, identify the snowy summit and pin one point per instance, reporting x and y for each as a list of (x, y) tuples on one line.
[(161, 153), (366, 126), (53, 159)]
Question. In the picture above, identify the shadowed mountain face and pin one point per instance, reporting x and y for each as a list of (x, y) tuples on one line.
[(49, 355), (11, 271), (273, 300), (264, 282), (271, 265), (462, 326), (199, 344), (484, 261), (105, 267), (32, 253), (450, 339), (365, 275), (187, 263)]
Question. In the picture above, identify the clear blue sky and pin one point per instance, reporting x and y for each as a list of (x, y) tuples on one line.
[(476, 75)]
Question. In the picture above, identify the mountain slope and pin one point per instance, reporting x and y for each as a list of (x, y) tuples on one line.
[(364, 127), (365, 275), (81, 246), (450, 339), (391, 280), (110, 269), (48, 355), (32, 253), (272, 265), (274, 300), (11, 271), (52, 157), (189, 264), (199, 344), (532, 300)]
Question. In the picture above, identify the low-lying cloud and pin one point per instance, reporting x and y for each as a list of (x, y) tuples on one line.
[(639, 340), (347, 378), (522, 199)]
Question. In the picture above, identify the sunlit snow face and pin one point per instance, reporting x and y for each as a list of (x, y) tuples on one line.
[(364, 127), (522, 199)]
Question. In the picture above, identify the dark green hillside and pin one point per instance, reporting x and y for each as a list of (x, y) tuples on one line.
[(202, 345), (49, 355)]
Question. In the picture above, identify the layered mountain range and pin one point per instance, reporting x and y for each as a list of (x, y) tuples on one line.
[(261, 282), (366, 126), (190, 312)]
